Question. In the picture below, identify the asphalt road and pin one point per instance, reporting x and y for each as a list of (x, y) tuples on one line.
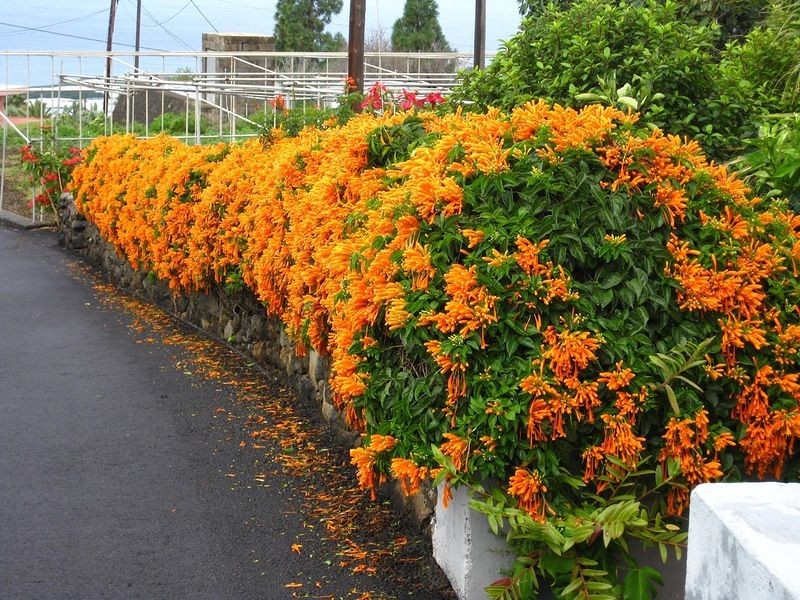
[(113, 463)]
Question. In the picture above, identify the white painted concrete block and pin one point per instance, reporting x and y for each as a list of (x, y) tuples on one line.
[(744, 542), (468, 552)]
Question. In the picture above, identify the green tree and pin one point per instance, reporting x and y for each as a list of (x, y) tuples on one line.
[(532, 8), (418, 30), (591, 49), (735, 17), (300, 26)]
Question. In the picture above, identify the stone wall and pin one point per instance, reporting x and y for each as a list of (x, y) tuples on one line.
[(145, 106)]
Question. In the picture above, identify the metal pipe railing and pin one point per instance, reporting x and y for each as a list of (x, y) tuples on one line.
[(230, 85)]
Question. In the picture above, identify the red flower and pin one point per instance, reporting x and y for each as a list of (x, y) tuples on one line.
[(374, 97), (278, 102), (434, 98), (410, 101)]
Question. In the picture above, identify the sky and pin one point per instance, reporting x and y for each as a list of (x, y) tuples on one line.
[(178, 24)]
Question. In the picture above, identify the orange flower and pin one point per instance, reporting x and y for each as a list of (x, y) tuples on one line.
[(723, 440), (470, 308), (585, 398), (457, 449), (473, 236), (538, 412), (618, 378), (593, 457), (364, 459), (528, 489), (417, 261), (620, 440), (456, 383), (409, 474), (527, 256), (489, 442), (569, 352), (397, 316), (673, 201)]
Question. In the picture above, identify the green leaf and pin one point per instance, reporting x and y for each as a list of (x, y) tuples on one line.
[(640, 584), (673, 401), (611, 281)]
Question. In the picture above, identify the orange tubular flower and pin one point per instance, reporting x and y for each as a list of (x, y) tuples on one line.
[(409, 474), (528, 489), (364, 459), (618, 378), (585, 398), (673, 201), (341, 253), (527, 256), (397, 316), (456, 382), (569, 352), (473, 236), (593, 457), (471, 307), (538, 413), (620, 440), (685, 441), (457, 449), (417, 261)]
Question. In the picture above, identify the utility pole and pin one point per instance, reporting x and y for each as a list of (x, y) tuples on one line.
[(112, 13), (355, 46), (138, 35), (479, 55)]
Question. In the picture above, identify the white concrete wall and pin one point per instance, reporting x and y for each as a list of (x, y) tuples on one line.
[(744, 542), (468, 552)]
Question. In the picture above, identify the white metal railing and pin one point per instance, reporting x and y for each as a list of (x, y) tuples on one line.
[(221, 88)]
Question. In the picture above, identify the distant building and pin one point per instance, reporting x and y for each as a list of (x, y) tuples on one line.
[(241, 73)]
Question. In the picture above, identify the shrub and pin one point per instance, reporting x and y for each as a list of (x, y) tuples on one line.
[(760, 67), (49, 166), (772, 166), (177, 124), (577, 317), (571, 51)]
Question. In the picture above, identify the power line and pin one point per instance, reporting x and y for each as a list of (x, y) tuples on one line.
[(69, 35), (68, 21), (204, 16), (183, 8), (164, 29), (246, 5)]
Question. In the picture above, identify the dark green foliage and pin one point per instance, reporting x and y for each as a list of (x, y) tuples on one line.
[(532, 8), (762, 65), (772, 166), (735, 18), (784, 19), (418, 29), (300, 26), (177, 124), (565, 53)]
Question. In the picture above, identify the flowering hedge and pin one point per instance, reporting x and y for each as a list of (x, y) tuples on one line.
[(575, 316)]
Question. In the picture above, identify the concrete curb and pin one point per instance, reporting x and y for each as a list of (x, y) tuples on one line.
[(20, 222)]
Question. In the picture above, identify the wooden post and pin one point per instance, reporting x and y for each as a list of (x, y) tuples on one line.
[(111, 15), (355, 46), (479, 57)]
